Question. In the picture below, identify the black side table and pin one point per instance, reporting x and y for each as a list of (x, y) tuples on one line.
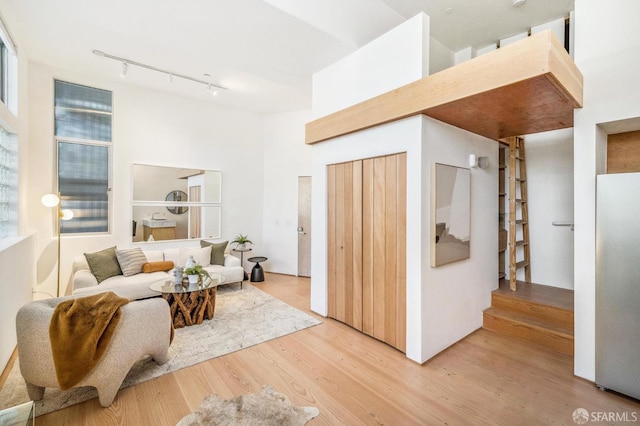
[(257, 273), (244, 273)]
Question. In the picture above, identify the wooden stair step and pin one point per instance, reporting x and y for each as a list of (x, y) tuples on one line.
[(522, 264), (529, 328), (537, 293), (557, 316)]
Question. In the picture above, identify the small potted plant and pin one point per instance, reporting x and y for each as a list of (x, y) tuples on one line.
[(241, 242), (195, 273)]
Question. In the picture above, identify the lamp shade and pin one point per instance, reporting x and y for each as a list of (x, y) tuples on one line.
[(67, 214), (50, 200)]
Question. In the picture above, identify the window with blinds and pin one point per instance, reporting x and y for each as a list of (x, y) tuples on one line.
[(4, 73), (8, 184), (83, 117)]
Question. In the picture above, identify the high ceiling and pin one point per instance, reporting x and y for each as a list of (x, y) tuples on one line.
[(263, 51)]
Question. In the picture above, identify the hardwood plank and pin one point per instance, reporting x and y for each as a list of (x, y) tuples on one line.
[(8, 367), (355, 379), (527, 87)]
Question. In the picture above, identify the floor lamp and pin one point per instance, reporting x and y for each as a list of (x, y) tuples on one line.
[(53, 200)]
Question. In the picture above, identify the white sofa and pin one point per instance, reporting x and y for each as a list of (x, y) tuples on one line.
[(137, 286)]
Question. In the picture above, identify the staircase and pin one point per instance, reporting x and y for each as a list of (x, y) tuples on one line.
[(534, 313), (518, 213)]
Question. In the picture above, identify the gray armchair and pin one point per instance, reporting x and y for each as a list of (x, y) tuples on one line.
[(144, 329)]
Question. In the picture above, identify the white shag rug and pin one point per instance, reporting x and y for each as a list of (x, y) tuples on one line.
[(243, 318), (266, 408)]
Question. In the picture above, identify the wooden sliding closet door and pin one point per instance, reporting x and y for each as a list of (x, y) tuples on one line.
[(367, 224), (344, 188)]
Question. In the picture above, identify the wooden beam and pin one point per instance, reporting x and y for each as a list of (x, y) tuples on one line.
[(527, 87)]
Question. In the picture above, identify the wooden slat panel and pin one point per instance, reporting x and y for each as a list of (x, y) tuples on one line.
[(401, 255), (379, 252), (390, 231), (367, 246), (331, 241), (623, 152), (347, 246), (356, 202), (527, 87), (339, 247)]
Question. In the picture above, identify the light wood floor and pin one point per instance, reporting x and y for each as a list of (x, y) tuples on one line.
[(354, 379)]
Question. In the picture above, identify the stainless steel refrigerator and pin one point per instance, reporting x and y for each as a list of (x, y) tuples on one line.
[(618, 283)]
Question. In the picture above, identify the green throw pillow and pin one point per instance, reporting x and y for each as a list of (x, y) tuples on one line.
[(103, 264), (217, 251)]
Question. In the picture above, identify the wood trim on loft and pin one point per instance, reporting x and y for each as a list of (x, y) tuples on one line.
[(530, 86)]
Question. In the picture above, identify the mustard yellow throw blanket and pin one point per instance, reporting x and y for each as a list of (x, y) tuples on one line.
[(80, 332)]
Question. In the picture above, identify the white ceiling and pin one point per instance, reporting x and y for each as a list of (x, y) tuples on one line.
[(264, 52)]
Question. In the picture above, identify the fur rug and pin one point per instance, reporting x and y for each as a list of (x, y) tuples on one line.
[(267, 408)]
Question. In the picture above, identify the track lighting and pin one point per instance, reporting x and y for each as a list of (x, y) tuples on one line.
[(126, 62)]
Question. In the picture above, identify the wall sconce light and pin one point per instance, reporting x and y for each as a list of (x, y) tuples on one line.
[(478, 162), (53, 200)]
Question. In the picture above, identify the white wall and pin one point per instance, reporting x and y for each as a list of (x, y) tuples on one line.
[(394, 59), (286, 157), (550, 196), (16, 264), (454, 295), (149, 127), (607, 52), (440, 57)]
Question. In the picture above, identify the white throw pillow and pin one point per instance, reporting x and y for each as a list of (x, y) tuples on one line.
[(131, 261), (202, 256)]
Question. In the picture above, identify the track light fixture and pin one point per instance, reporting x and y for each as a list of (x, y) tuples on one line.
[(126, 62)]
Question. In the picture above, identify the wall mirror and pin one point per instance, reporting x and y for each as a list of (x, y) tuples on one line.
[(450, 214), (177, 196), (171, 203)]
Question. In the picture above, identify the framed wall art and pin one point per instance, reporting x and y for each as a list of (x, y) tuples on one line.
[(450, 214)]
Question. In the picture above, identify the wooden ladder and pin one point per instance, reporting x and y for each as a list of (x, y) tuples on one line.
[(518, 204)]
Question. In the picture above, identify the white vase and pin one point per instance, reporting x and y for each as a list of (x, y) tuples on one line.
[(193, 279), (240, 247), (190, 262)]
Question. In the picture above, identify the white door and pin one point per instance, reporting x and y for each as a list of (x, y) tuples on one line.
[(304, 226)]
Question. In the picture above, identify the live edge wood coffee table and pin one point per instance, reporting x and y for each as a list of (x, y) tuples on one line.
[(192, 304)]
